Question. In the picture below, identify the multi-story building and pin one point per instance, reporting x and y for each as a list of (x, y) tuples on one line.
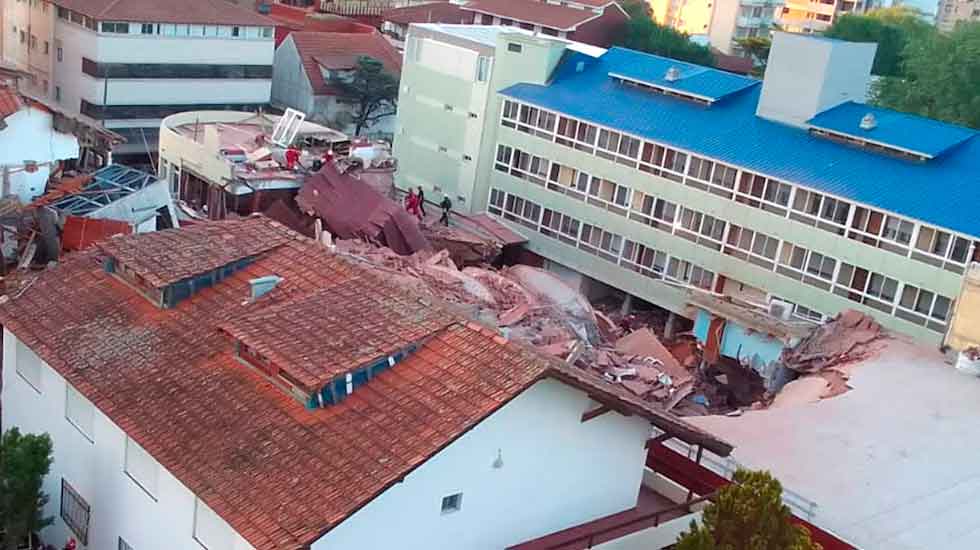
[(690, 16), (655, 176), (193, 403), (735, 19), (129, 64), (595, 22), (818, 15), (951, 12), (446, 84)]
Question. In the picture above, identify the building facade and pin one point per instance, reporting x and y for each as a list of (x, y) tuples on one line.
[(127, 65), (732, 20), (611, 189), (951, 12), (596, 22), (808, 17)]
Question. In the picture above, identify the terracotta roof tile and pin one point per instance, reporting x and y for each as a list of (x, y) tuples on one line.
[(435, 12), (214, 12), (563, 18), (10, 102), (340, 50), (279, 474)]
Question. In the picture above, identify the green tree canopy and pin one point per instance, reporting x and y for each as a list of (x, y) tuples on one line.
[(24, 461), (644, 34), (372, 90), (890, 28), (942, 77), (747, 515)]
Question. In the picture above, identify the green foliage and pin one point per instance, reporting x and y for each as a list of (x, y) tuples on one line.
[(747, 515), (645, 35), (758, 49), (942, 77), (24, 461), (372, 90), (890, 28)]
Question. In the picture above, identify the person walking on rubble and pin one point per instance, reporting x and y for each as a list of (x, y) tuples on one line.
[(422, 201), (447, 206), (412, 204)]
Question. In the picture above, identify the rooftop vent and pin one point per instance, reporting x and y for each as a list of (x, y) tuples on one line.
[(263, 285), (580, 66), (868, 122), (673, 74)]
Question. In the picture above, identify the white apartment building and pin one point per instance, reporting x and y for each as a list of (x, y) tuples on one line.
[(129, 63), (951, 12), (736, 19)]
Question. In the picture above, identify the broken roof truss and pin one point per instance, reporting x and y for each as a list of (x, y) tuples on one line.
[(107, 185)]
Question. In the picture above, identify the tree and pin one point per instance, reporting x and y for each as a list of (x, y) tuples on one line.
[(942, 77), (747, 515), (890, 28), (372, 90), (758, 49), (24, 461), (645, 35)]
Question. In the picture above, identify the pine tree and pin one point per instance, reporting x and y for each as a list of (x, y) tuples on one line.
[(747, 515)]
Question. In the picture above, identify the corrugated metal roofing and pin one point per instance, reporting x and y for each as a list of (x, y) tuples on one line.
[(691, 79), (910, 132), (944, 191)]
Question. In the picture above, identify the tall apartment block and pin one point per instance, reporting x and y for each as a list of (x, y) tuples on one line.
[(735, 19), (951, 12), (809, 16), (129, 64), (669, 181)]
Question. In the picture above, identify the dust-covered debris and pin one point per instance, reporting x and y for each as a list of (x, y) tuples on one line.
[(843, 340)]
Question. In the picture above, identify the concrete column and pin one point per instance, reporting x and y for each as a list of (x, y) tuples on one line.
[(669, 327), (627, 306)]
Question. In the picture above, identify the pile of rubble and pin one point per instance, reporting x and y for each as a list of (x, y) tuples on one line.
[(534, 306)]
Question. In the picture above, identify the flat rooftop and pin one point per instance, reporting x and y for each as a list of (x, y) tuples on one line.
[(891, 464)]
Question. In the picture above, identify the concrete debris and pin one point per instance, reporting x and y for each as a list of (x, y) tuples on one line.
[(843, 340), (534, 306)]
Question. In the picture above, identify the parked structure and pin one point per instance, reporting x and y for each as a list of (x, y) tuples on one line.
[(219, 162), (807, 17), (129, 64), (174, 375), (445, 103), (306, 62), (951, 12), (652, 176)]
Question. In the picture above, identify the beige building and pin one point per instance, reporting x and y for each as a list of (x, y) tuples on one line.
[(951, 12), (817, 15), (719, 23)]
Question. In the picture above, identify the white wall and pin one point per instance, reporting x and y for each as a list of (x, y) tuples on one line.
[(33, 21), (140, 207), (557, 472), (96, 470), (290, 85), (721, 30), (30, 136)]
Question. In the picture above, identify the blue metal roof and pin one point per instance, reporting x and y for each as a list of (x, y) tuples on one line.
[(710, 84), (944, 191), (910, 132)]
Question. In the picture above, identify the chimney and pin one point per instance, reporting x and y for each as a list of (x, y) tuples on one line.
[(806, 75), (263, 285)]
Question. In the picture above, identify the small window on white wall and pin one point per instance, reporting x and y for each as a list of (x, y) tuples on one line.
[(28, 366), (452, 503), (141, 467), (210, 530), (79, 411)]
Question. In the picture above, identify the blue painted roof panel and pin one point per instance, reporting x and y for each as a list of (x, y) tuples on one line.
[(910, 132), (694, 79), (944, 191)]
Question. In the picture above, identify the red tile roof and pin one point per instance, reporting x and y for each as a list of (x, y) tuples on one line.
[(340, 50), (214, 12), (436, 12), (80, 233), (562, 18), (280, 474), (10, 102)]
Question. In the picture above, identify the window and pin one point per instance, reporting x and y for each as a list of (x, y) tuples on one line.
[(701, 228), (28, 365), (61, 54), (123, 545), (452, 503), (482, 68), (79, 411), (644, 260), (752, 246), (141, 467), (117, 28), (514, 47), (236, 32), (596, 240), (146, 28), (57, 93), (560, 226), (687, 273), (266, 32), (496, 205), (75, 511), (210, 530), (47, 48), (924, 305)]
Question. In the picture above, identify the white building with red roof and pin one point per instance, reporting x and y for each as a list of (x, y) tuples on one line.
[(130, 63)]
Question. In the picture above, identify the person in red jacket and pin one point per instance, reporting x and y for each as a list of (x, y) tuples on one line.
[(292, 158), (412, 204)]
